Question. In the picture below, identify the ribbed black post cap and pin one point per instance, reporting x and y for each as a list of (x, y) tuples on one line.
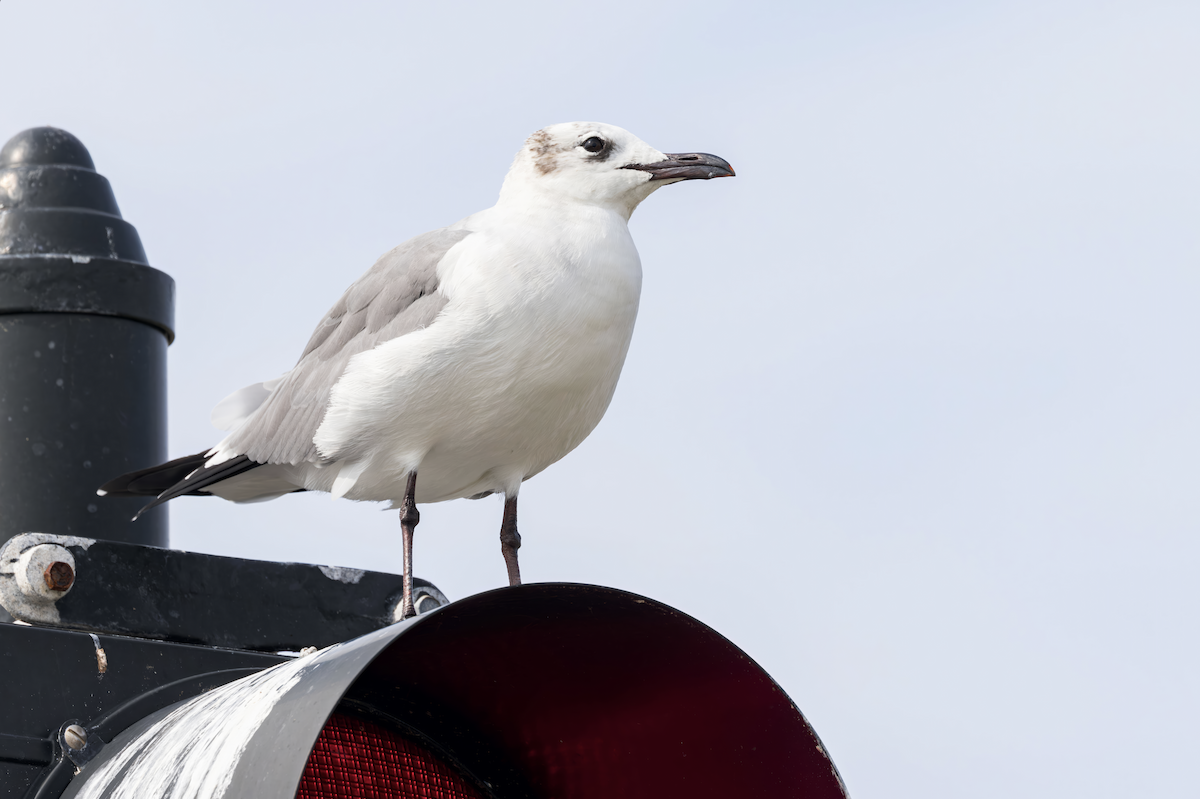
[(64, 247), (43, 147)]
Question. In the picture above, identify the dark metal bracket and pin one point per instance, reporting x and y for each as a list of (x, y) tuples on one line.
[(79, 744), (129, 589)]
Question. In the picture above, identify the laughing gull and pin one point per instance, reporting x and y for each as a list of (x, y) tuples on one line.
[(475, 355)]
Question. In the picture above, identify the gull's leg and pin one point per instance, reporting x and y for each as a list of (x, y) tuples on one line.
[(510, 540), (408, 523)]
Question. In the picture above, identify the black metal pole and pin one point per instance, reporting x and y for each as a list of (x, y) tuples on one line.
[(84, 328)]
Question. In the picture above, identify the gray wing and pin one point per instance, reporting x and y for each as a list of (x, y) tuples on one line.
[(398, 295)]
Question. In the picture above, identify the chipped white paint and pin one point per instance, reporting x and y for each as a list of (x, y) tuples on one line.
[(343, 574), (26, 540), (23, 559), (191, 752)]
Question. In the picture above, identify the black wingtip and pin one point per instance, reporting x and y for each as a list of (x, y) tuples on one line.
[(200, 479), (155, 480), (152, 504), (182, 476)]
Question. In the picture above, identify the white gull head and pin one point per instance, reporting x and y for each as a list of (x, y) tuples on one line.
[(595, 163)]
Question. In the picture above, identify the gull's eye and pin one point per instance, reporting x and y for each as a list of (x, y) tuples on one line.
[(593, 144)]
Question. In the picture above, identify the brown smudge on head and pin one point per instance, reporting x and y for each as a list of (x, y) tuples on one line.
[(544, 152)]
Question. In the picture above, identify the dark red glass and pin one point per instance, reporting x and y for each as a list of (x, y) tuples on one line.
[(355, 758)]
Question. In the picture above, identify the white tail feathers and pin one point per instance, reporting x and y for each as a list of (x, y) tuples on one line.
[(231, 412), (347, 476)]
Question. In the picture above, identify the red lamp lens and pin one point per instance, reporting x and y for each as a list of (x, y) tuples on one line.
[(355, 758)]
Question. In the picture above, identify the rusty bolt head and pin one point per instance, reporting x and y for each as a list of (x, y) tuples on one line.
[(59, 576)]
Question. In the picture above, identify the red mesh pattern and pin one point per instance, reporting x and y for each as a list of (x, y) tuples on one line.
[(358, 759)]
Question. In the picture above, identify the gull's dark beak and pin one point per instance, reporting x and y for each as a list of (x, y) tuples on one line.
[(686, 166)]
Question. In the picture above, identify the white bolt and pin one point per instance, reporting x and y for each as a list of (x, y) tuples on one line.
[(75, 737)]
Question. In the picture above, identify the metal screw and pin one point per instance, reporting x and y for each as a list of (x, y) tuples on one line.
[(75, 737), (426, 602), (59, 576)]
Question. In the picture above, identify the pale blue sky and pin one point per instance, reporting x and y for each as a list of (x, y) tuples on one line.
[(911, 410)]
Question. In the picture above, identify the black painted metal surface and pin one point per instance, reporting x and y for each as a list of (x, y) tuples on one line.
[(50, 676), (244, 604), (84, 328), (82, 398)]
